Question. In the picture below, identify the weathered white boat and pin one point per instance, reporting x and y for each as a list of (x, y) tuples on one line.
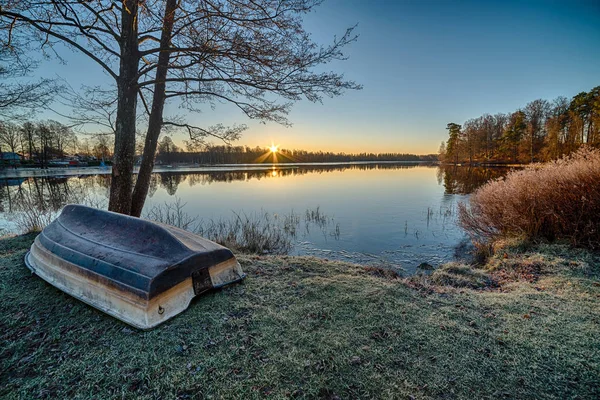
[(138, 271)]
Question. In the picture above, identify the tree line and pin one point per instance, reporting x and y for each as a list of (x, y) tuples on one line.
[(41, 141), (169, 153), (541, 131)]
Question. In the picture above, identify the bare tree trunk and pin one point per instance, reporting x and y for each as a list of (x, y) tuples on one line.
[(531, 146), (155, 121), (22, 145), (124, 153)]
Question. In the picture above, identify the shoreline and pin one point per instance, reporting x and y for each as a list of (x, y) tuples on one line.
[(182, 168), (486, 164)]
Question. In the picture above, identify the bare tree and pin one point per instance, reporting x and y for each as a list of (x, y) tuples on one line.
[(19, 97), (60, 137), (28, 134), (71, 145), (92, 107), (536, 112), (43, 135), (499, 125), (102, 145), (10, 136), (253, 54), (556, 127)]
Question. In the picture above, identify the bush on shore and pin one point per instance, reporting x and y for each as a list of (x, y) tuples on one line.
[(559, 200)]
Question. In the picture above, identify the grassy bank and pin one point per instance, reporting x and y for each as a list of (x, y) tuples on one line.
[(527, 326)]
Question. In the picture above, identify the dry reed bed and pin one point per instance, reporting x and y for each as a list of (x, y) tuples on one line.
[(559, 200)]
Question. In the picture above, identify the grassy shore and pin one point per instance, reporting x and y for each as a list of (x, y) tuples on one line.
[(525, 326)]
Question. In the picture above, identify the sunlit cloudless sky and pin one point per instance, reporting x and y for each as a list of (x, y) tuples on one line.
[(422, 64)]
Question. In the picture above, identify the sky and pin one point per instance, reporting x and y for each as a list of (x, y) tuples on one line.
[(422, 64)]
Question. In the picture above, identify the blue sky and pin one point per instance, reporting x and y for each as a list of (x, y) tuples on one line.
[(423, 64)]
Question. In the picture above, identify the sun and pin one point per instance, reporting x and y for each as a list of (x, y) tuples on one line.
[(274, 154)]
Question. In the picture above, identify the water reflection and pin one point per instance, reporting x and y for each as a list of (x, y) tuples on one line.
[(466, 179), (49, 194), (52, 193), (171, 180)]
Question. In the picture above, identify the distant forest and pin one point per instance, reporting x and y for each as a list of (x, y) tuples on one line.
[(541, 131), (169, 153)]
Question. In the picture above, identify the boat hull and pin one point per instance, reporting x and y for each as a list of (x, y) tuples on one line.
[(141, 306)]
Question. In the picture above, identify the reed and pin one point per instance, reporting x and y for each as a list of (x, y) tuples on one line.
[(254, 233)]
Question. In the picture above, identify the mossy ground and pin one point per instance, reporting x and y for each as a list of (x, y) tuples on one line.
[(527, 326)]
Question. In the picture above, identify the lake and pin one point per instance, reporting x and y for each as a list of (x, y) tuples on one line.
[(393, 214)]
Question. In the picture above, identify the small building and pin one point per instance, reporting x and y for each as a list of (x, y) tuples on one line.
[(8, 158)]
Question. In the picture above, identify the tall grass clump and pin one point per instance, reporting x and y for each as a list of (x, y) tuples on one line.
[(255, 233), (559, 200), (172, 214)]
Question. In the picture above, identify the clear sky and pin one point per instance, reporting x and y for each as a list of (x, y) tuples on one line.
[(423, 64)]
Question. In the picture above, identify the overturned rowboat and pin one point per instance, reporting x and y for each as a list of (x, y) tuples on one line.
[(138, 271)]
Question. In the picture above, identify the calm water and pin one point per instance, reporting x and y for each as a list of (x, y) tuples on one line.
[(398, 214)]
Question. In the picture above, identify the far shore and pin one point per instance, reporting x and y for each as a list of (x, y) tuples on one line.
[(26, 172)]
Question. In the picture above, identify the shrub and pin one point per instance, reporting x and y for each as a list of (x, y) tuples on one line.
[(557, 200), (32, 213)]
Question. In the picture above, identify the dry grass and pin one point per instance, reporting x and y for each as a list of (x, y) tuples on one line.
[(558, 200), (255, 233), (460, 276), (262, 233)]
